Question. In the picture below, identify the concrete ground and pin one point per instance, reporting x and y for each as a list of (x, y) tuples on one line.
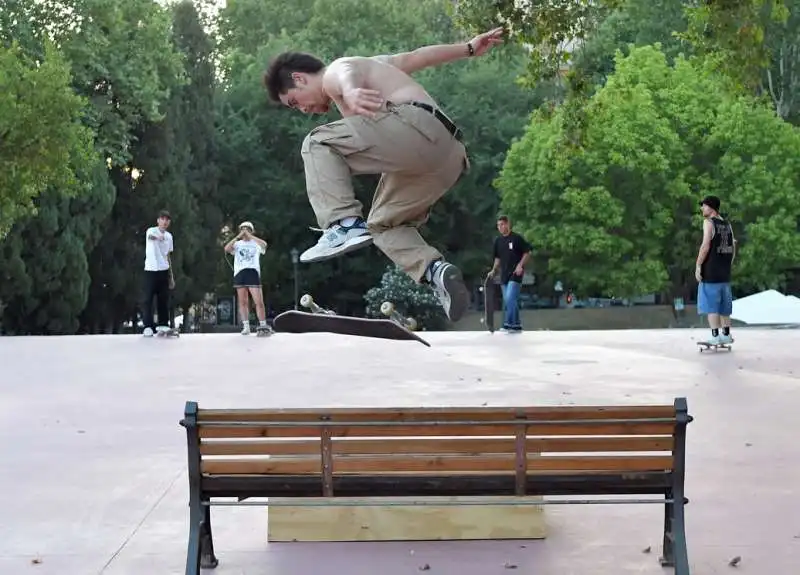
[(93, 459)]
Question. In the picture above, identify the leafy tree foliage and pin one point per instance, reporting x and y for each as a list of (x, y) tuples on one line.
[(620, 216), (42, 142)]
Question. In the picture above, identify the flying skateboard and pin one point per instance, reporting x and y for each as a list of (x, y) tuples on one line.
[(324, 320), (387, 309), (706, 346), (488, 302)]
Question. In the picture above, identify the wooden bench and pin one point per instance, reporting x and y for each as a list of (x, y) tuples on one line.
[(331, 454)]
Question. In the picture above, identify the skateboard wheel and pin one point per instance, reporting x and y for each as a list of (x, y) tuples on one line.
[(387, 308), (412, 323), (306, 300)]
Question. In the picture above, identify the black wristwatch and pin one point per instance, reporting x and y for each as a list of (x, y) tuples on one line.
[(470, 49)]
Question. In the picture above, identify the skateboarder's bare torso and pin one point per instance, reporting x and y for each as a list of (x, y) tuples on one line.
[(379, 74)]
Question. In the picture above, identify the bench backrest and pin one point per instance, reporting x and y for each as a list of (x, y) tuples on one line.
[(323, 447)]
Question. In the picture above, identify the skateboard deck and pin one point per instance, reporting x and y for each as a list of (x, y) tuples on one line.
[(488, 303), (322, 320), (705, 346), (293, 321)]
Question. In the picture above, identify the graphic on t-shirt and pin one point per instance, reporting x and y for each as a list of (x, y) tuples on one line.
[(247, 255)]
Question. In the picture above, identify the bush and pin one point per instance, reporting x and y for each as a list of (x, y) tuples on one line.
[(410, 299)]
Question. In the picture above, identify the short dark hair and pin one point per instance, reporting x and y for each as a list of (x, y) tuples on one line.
[(164, 214), (502, 219), (278, 76), (712, 202)]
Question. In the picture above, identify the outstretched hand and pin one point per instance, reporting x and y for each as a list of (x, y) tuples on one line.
[(482, 42), (363, 101)]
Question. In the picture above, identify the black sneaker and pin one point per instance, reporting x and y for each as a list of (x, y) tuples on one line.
[(449, 286)]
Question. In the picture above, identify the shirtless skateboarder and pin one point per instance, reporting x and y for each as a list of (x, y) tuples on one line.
[(390, 126)]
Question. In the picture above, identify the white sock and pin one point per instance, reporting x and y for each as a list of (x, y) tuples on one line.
[(348, 221), (262, 322), (246, 323)]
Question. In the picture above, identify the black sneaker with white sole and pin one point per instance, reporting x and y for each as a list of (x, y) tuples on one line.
[(449, 286)]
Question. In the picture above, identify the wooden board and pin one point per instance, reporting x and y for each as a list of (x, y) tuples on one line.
[(378, 522)]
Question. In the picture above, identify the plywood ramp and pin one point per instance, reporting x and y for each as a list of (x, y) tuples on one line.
[(377, 522)]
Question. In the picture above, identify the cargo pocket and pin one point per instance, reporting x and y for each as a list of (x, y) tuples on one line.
[(338, 135)]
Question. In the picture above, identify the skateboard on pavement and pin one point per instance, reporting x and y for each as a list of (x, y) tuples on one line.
[(167, 332), (488, 302), (706, 346), (324, 320)]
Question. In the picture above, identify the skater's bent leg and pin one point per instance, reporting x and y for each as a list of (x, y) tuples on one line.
[(401, 205), (404, 139), (328, 176)]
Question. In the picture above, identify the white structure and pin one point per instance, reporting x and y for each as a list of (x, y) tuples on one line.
[(769, 307)]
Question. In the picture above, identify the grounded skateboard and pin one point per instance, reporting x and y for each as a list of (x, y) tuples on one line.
[(706, 346), (324, 320), (488, 302), (264, 331), (167, 332)]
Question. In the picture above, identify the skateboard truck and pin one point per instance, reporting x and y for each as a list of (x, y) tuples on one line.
[(308, 302), (387, 309)]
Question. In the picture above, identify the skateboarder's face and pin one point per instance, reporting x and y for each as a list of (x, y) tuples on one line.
[(163, 223), (306, 95)]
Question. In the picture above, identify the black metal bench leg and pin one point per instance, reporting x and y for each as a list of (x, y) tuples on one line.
[(207, 558), (667, 558), (193, 550), (681, 557)]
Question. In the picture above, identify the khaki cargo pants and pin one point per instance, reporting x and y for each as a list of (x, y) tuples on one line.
[(419, 161)]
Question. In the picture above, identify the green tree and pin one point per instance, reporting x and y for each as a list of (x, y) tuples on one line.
[(42, 141), (44, 260), (620, 216)]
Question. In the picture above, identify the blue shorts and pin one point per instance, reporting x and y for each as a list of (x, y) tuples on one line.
[(714, 298)]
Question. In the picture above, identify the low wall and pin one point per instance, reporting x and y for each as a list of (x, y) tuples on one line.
[(618, 317)]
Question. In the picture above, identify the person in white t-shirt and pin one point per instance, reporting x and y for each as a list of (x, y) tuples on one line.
[(247, 250), (158, 276)]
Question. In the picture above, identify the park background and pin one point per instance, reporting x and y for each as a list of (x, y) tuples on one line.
[(596, 128)]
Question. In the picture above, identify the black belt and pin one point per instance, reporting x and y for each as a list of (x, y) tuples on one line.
[(451, 127)]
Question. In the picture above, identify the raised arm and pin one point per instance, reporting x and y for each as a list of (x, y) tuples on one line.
[(427, 56), (261, 243)]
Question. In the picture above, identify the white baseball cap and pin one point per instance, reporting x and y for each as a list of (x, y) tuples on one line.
[(247, 225)]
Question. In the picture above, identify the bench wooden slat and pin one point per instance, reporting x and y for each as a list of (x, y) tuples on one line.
[(436, 446), (357, 414), (565, 428), (434, 464)]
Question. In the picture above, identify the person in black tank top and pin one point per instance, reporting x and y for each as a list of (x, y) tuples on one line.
[(713, 271)]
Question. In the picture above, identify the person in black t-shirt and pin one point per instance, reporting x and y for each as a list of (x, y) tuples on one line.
[(511, 253), (713, 271)]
